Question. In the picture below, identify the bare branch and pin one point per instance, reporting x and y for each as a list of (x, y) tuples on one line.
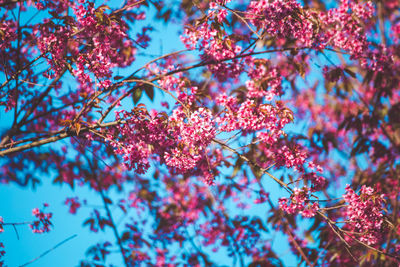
[(57, 136), (48, 251)]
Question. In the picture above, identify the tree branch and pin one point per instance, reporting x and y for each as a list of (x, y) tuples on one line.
[(57, 136), (48, 251)]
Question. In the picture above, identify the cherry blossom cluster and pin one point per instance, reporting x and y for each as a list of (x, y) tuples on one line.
[(190, 207), (250, 116), (73, 203), (337, 27), (8, 29), (342, 29), (317, 182), (193, 134), (266, 81), (395, 31), (180, 141), (217, 233), (139, 137), (53, 45), (299, 203), (364, 212), (284, 19), (8, 33), (109, 48), (207, 38), (291, 157), (58, 6), (43, 223)]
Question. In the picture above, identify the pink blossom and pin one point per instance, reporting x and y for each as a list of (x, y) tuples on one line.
[(43, 224), (365, 214)]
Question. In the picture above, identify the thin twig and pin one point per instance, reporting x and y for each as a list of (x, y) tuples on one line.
[(264, 170), (299, 249), (372, 248), (158, 58), (244, 21), (48, 251), (109, 214), (16, 231)]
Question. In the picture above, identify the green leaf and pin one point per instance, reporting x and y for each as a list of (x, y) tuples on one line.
[(137, 94), (238, 167), (309, 238), (300, 69), (149, 90)]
